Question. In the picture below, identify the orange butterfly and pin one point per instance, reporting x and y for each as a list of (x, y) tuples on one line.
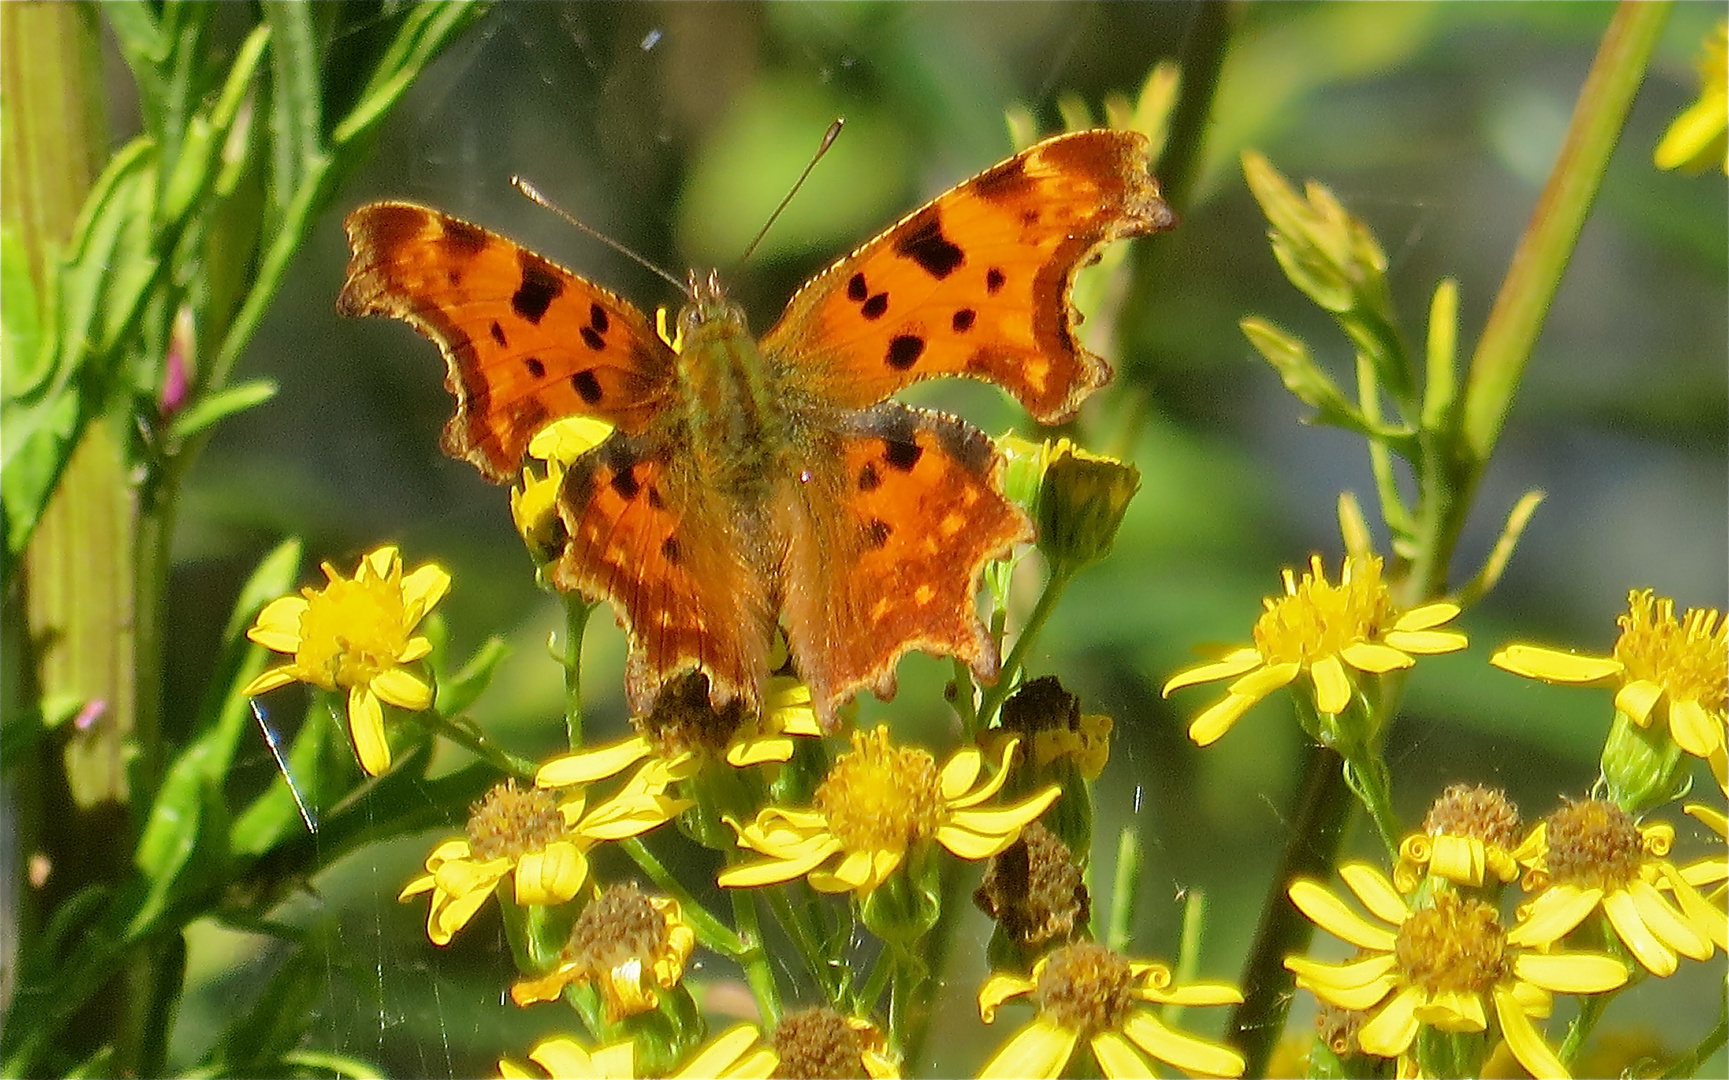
[(755, 484)]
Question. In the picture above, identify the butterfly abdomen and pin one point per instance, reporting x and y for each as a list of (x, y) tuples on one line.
[(735, 413)]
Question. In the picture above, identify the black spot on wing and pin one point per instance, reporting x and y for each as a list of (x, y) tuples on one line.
[(597, 318), (535, 367), (877, 532), (670, 549), (904, 351), (963, 320), (994, 280), (587, 387), (540, 287), (1006, 181), (856, 288), (498, 335), (462, 239), (868, 479), (875, 307), (902, 455), (592, 339), (625, 483), (925, 244)]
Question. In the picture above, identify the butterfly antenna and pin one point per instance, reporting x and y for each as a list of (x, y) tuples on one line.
[(828, 139), (534, 196)]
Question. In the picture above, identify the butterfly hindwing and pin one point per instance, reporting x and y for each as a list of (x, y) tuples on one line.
[(888, 530)]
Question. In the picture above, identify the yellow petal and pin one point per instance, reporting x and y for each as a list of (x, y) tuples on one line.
[(1218, 719), (550, 876), (587, 766), (1389, 1032), (761, 751), (1375, 891), (366, 724), (1332, 685), (1553, 915), (1118, 1059), (1552, 665), (1258, 684), (444, 920), (1624, 916), (1694, 729), (1523, 1039), (1458, 858), (1671, 927), (1427, 616), (1455, 1011), (1006, 820), (1356, 986), (1038, 1052), (1195, 993), (268, 681), (1426, 642), (771, 871), (999, 988), (1332, 915), (423, 589), (1570, 973), (721, 1052), (1228, 667), (1374, 658), (1637, 699), (960, 772), (1185, 1051), (278, 625), (402, 689)]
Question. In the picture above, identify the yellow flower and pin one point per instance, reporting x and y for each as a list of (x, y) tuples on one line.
[(1673, 670), (734, 1054), (1590, 855), (1469, 835), (1443, 966), (1699, 137), (823, 1042), (1086, 991), (355, 634), (542, 846), (534, 503), (1319, 628), (878, 802), (629, 945)]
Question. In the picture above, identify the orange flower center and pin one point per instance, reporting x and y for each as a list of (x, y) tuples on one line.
[(512, 821), (1452, 945), (1687, 657), (1594, 845), (880, 797), (620, 926), (1316, 619), (1086, 988), (817, 1044), (1481, 813)]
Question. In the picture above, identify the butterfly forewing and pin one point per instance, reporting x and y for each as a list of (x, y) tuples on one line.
[(527, 341), (977, 282)]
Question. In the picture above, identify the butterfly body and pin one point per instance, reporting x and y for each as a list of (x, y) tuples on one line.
[(755, 485)]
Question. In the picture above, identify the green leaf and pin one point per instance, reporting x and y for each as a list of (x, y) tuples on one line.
[(23, 367), (426, 30), (185, 840), (460, 690), (296, 103), (220, 405)]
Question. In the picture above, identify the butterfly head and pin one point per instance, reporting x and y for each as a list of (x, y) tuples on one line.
[(708, 314)]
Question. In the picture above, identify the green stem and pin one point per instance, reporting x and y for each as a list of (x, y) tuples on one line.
[(713, 933), (1542, 254), (1318, 819), (991, 701), (482, 747), (1124, 885), (753, 957), (576, 612), (1591, 1009), (1367, 776)]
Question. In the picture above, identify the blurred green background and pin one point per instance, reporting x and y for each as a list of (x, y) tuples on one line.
[(676, 127)]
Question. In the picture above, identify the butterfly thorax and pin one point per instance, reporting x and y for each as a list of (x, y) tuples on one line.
[(736, 418)]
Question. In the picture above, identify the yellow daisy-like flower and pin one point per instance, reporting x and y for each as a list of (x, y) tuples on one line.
[(534, 503), (1699, 137), (1088, 992), (356, 634), (1321, 629), (629, 945), (1711, 872), (1469, 836), (878, 802), (734, 1054), (540, 844), (1590, 855), (1663, 668), (1443, 966)]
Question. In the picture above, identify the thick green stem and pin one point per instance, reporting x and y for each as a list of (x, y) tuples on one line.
[(1542, 254), (992, 699)]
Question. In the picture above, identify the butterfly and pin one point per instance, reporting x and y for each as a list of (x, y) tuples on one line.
[(760, 486)]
